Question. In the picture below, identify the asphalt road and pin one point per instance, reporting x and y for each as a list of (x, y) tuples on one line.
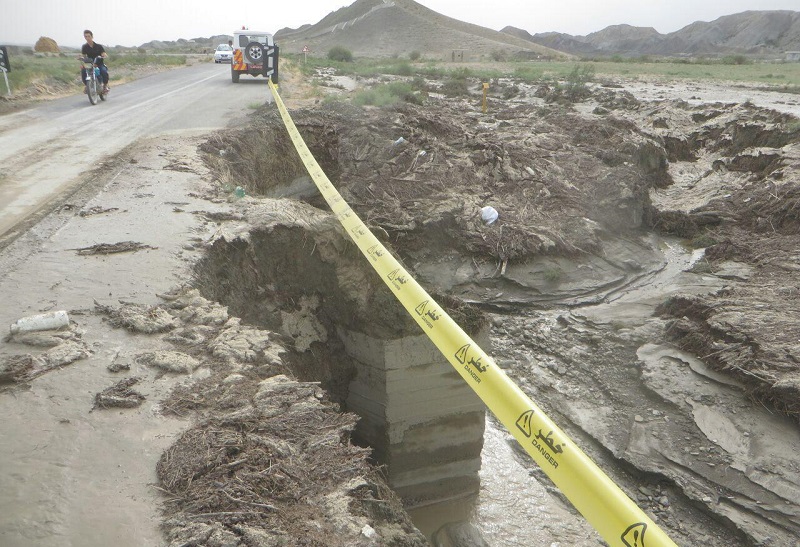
[(47, 150)]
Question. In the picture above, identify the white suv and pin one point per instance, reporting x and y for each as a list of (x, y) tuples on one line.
[(254, 53)]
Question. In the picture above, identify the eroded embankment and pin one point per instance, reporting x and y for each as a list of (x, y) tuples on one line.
[(270, 459), (576, 192), (735, 189), (567, 186), (292, 269)]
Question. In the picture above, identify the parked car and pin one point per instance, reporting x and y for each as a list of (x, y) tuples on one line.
[(223, 54), (254, 53)]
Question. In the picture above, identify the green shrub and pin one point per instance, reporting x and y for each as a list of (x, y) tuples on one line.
[(455, 86), (574, 87), (414, 55), (702, 241), (553, 274), (419, 83), (499, 56), (404, 69), (341, 54), (433, 72), (388, 94), (735, 60)]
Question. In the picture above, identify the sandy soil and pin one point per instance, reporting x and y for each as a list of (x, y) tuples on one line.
[(639, 283)]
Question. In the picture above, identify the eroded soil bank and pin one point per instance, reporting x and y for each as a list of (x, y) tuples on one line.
[(591, 310)]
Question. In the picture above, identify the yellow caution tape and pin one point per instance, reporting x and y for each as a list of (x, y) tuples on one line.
[(604, 505)]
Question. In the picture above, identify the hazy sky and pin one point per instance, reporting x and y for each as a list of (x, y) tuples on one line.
[(134, 22)]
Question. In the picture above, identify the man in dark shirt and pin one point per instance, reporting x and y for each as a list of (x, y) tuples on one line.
[(92, 50)]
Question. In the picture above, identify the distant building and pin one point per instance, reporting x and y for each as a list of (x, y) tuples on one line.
[(793, 55)]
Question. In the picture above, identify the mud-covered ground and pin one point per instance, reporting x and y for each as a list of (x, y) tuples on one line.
[(640, 285), (641, 278), (721, 177)]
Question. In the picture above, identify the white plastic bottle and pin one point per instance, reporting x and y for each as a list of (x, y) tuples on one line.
[(44, 321)]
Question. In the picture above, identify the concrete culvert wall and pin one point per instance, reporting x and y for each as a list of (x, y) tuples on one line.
[(294, 272)]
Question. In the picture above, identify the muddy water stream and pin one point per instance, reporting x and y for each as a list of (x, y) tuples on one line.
[(515, 506)]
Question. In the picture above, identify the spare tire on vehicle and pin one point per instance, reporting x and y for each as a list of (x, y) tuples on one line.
[(254, 53)]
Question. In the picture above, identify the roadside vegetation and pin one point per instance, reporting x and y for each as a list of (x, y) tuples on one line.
[(390, 93), (785, 75), (36, 76)]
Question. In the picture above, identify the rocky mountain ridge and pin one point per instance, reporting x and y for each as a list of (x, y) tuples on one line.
[(749, 32), (387, 28)]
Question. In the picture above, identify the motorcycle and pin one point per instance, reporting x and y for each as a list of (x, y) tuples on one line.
[(92, 79)]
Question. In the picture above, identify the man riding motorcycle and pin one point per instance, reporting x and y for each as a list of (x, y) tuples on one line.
[(92, 50)]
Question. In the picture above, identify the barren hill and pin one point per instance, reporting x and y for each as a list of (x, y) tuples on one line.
[(195, 44), (749, 32), (384, 28)]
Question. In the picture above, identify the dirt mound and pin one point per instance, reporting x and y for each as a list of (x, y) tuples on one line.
[(421, 174), (738, 334), (45, 45)]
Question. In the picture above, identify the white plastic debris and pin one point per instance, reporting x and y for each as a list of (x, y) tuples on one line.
[(369, 532), (489, 214), (43, 321), (401, 140)]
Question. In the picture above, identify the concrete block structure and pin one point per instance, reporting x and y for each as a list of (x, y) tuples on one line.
[(420, 417)]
